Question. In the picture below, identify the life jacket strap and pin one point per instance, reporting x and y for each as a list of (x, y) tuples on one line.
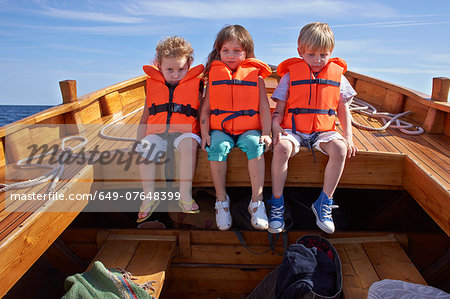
[(316, 81), (174, 108), (234, 114), (235, 82), (296, 111)]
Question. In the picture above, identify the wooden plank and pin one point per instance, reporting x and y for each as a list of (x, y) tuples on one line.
[(434, 121), (2, 158), (418, 114), (440, 89), (429, 193), (184, 239), (150, 262), (375, 138), (116, 253), (391, 262), (132, 94), (447, 125), (23, 247), (421, 98), (352, 240), (271, 83), (417, 148), (365, 169), (361, 265), (91, 113), (110, 103), (16, 144), (212, 282), (394, 101), (68, 91), (146, 237), (229, 254), (351, 285), (368, 91)]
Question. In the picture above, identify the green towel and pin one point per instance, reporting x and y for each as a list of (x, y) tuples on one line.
[(101, 282)]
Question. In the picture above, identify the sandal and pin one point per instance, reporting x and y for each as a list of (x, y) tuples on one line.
[(150, 207), (223, 218), (181, 202), (259, 217)]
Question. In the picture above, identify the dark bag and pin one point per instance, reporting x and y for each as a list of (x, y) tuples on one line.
[(310, 269)]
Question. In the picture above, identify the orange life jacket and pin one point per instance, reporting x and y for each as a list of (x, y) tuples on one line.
[(172, 111), (313, 100), (234, 97)]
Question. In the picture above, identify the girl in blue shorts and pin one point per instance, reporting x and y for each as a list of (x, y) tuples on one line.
[(236, 112)]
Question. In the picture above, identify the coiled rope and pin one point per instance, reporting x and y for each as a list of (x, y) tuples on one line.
[(389, 119), (56, 170)]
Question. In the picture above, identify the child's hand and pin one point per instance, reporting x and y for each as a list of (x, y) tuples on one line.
[(206, 140), (351, 148), (267, 141), (277, 131)]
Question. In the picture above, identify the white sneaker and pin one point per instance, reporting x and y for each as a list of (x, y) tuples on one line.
[(259, 217), (223, 218)]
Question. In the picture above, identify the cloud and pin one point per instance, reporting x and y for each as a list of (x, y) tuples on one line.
[(391, 24), (90, 16), (217, 9), (115, 30)]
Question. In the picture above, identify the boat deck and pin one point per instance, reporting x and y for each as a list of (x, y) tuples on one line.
[(386, 160)]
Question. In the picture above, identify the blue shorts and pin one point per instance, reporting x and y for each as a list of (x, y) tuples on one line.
[(222, 143)]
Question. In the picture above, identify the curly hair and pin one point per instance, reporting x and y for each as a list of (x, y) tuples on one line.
[(173, 47)]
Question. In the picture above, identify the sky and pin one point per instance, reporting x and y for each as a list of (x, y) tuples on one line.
[(100, 43)]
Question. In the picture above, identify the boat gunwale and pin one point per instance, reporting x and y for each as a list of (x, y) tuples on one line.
[(418, 96)]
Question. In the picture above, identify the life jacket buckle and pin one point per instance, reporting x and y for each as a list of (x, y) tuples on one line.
[(176, 108), (152, 109)]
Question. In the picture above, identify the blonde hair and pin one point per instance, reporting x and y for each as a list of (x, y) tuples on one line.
[(226, 34), (173, 47), (316, 37)]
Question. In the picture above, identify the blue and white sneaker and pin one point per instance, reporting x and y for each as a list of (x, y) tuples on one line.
[(322, 208), (276, 215)]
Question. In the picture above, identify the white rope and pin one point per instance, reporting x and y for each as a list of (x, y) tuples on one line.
[(109, 137), (56, 171), (389, 119)]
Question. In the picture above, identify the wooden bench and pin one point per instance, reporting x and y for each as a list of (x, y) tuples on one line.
[(366, 260), (146, 257)]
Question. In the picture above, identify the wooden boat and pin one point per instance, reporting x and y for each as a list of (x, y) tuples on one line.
[(411, 171)]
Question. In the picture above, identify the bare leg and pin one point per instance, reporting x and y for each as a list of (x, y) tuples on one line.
[(281, 154), (148, 174), (337, 151), (188, 161), (219, 174), (256, 170)]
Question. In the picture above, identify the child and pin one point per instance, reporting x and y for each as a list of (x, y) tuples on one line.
[(173, 99), (310, 94), (234, 112)]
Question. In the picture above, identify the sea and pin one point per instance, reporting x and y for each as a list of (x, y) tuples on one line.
[(11, 113)]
